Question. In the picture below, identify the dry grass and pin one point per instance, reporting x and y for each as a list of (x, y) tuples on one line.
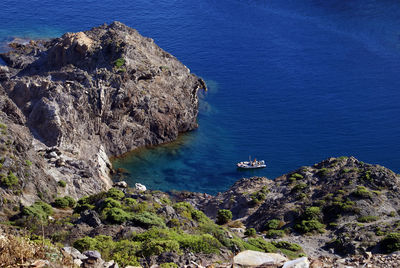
[(17, 251)]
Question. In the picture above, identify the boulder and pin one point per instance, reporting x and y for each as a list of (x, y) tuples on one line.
[(74, 253), (297, 263), (91, 218), (140, 187), (121, 184), (250, 258), (93, 254)]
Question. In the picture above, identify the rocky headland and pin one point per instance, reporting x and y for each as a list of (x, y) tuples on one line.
[(68, 104)]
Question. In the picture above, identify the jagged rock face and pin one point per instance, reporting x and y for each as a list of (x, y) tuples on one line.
[(107, 86), (95, 94)]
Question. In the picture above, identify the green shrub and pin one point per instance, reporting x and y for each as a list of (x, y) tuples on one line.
[(367, 218), (154, 241), (262, 244), (204, 243), (257, 197), (297, 176), (116, 215), (130, 202), (224, 216), (323, 172), (199, 216), (39, 210), (168, 265), (62, 183), (275, 233), (156, 247), (9, 180), (125, 253), (174, 223), (110, 203), (391, 242), (64, 202), (186, 210), (82, 207), (115, 194), (287, 245), (273, 224), (307, 226), (119, 62), (147, 219), (312, 213), (345, 170), (299, 187), (86, 243), (250, 232), (61, 203), (87, 202), (362, 192)]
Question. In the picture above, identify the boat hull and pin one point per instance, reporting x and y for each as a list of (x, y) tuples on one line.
[(250, 165)]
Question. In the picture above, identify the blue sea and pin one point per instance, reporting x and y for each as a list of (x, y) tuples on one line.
[(292, 82)]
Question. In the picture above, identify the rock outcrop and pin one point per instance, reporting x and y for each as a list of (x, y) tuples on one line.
[(340, 205), (76, 100)]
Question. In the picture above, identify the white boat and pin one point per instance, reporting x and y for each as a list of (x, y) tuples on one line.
[(251, 164)]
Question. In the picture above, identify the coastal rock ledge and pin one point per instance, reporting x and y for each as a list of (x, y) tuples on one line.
[(71, 102)]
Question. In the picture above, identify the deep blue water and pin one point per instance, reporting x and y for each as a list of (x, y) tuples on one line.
[(291, 82)]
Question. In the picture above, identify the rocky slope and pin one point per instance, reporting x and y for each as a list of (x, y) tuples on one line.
[(70, 103), (340, 206)]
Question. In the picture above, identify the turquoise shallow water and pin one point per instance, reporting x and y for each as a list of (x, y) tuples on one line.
[(291, 82)]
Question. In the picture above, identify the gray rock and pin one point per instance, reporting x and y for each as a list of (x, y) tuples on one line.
[(297, 263), (110, 264), (91, 218), (93, 254), (53, 155), (74, 253), (250, 258), (78, 262), (122, 184)]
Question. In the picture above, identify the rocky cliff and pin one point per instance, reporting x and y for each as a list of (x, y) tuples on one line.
[(340, 205), (69, 103)]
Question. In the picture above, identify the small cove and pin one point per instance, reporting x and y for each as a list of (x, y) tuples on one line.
[(291, 82)]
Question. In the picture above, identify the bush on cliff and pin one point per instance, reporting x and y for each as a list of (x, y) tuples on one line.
[(64, 202), (224, 216), (147, 219), (9, 180), (115, 194), (110, 203), (123, 252), (250, 232), (273, 224), (204, 243), (116, 215), (307, 226), (362, 192), (186, 210), (391, 243), (39, 210)]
